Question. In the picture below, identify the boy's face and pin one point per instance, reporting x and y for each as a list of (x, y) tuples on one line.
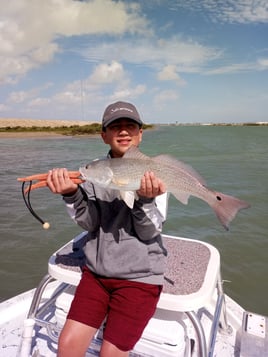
[(121, 134)]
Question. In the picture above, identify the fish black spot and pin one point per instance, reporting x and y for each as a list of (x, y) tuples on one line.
[(218, 198)]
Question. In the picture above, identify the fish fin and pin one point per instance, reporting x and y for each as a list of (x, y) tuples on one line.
[(226, 207), (171, 161), (120, 182), (181, 196), (128, 197), (134, 153)]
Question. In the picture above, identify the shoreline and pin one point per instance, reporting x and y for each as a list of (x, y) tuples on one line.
[(36, 123), (42, 134), (28, 123), (13, 135), (14, 122)]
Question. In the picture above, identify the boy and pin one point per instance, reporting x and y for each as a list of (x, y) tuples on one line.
[(123, 276)]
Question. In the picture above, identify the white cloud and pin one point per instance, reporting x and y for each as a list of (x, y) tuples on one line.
[(4, 108), (169, 73), (95, 17), (107, 73), (30, 29), (39, 102), (259, 65), (232, 68), (263, 63), (68, 97), (231, 11), (188, 56), (128, 93), (12, 68), (17, 97), (162, 98), (112, 75), (243, 11), (103, 75)]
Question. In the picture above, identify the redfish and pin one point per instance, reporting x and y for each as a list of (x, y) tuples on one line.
[(181, 180)]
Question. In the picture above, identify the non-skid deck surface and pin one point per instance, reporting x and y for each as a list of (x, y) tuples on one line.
[(186, 266), (186, 263)]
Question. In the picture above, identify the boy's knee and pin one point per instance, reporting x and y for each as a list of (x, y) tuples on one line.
[(66, 343), (108, 349), (72, 332)]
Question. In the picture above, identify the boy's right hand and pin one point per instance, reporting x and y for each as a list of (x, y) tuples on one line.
[(151, 186), (58, 181)]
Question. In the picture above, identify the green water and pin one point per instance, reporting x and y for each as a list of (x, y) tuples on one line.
[(233, 160)]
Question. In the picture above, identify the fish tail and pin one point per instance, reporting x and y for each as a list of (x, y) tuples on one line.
[(226, 207)]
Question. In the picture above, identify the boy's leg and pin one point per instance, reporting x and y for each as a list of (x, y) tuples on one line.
[(131, 306), (110, 350), (88, 310), (75, 339)]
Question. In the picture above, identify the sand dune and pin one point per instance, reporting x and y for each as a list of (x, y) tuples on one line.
[(12, 122)]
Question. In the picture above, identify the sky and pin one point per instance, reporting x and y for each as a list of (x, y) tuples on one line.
[(178, 61)]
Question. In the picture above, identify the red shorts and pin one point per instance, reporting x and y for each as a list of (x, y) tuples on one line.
[(129, 305)]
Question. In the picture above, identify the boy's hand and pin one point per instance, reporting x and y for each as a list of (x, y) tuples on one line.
[(151, 186), (58, 181)]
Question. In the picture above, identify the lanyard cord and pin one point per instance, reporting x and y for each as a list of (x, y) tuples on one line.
[(26, 199)]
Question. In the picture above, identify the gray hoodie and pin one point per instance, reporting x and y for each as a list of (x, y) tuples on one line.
[(122, 243)]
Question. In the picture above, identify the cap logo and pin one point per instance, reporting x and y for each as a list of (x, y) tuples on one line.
[(121, 108)]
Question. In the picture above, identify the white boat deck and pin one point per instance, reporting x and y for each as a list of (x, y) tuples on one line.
[(192, 275), (192, 271), (186, 322)]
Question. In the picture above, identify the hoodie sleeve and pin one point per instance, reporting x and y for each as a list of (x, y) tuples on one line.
[(149, 215), (82, 208)]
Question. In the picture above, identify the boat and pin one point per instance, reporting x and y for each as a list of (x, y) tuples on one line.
[(194, 317)]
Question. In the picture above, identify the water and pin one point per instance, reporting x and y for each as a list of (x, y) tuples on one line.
[(233, 160)]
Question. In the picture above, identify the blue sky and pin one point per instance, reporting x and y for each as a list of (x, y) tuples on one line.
[(182, 61)]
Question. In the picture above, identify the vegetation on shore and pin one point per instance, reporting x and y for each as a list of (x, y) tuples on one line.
[(221, 124), (94, 128), (89, 129)]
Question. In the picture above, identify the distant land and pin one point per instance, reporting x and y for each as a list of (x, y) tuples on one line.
[(218, 124), (27, 123), (20, 128)]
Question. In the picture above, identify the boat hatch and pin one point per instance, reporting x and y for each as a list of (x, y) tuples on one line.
[(254, 337)]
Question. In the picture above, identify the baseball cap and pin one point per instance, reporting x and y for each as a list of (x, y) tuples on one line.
[(119, 110)]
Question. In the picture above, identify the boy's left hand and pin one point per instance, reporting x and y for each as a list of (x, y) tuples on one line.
[(151, 186)]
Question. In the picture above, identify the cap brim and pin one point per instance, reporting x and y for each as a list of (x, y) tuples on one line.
[(111, 120)]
